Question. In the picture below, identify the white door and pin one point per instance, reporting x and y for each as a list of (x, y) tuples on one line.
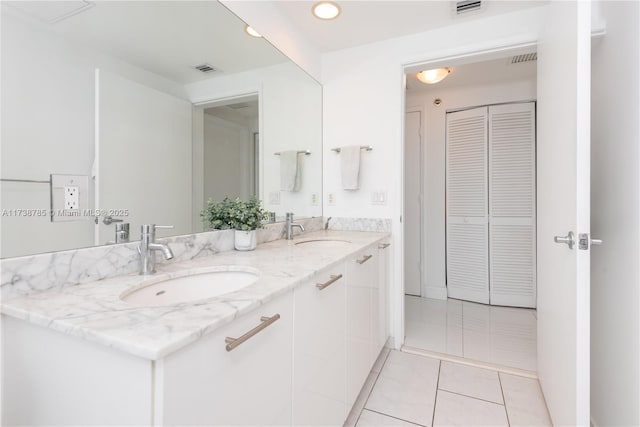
[(467, 218), (512, 205), (563, 206), (413, 203), (143, 157)]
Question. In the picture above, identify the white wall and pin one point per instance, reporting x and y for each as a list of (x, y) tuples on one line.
[(434, 271), (363, 104), (291, 108), (615, 214), (48, 113)]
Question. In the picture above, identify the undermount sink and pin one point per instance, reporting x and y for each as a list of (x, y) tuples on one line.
[(191, 286), (323, 243)]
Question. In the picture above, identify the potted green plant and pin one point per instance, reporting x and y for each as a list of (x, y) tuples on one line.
[(245, 217)]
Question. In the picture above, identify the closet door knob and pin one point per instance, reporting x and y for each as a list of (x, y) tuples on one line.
[(568, 239)]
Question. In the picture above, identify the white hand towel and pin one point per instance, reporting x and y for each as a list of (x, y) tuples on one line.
[(289, 171), (350, 167)]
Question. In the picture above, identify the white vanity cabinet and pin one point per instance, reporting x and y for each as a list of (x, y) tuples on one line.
[(204, 384), (299, 359), (319, 350)]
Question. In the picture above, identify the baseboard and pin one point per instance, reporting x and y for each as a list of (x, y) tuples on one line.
[(435, 292)]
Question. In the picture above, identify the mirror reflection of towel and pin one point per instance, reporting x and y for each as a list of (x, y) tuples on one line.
[(350, 167), (290, 173)]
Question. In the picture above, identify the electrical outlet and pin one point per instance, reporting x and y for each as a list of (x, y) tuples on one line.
[(71, 198), (331, 199), (314, 199)]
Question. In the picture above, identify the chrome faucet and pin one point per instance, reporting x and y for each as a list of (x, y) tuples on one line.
[(148, 245), (289, 226)]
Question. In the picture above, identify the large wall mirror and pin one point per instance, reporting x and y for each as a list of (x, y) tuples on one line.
[(140, 112)]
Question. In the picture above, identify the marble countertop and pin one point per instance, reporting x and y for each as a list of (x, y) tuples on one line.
[(95, 312)]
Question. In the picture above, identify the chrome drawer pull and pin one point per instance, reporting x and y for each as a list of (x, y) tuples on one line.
[(364, 259), (235, 342), (384, 245), (333, 279)]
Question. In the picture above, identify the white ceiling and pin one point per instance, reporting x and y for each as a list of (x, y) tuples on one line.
[(369, 21), (479, 73), (165, 37)]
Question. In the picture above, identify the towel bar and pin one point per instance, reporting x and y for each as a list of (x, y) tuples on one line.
[(362, 147), (305, 152)]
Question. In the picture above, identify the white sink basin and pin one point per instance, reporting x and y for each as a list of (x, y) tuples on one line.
[(323, 243), (191, 286)]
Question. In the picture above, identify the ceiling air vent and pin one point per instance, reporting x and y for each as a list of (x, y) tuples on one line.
[(467, 6), (527, 57), (238, 106), (205, 68)]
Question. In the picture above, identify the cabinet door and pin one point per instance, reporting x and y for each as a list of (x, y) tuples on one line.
[(361, 275), (319, 350), (204, 384)]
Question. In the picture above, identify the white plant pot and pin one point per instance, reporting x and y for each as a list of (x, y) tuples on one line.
[(245, 240)]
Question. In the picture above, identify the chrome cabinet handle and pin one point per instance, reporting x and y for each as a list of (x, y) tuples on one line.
[(235, 342), (568, 239), (332, 279), (596, 241), (364, 259), (384, 245)]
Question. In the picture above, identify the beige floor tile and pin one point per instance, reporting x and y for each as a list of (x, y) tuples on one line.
[(524, 401), (406, 388), (470, 381), (456, 410)]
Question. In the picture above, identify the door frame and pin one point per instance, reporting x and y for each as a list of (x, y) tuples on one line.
[(496, 50), (198, 141)]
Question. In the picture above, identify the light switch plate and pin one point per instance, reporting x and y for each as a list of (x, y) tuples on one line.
[(70, 198), (379, 198), (274, 198)]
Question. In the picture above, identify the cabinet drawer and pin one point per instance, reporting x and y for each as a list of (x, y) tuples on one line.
[(204, 384)]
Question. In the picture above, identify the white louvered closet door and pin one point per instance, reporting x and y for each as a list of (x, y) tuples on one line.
[(467, 210), (512, 177)]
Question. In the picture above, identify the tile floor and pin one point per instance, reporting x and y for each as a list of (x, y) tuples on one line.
[(410, 390), (499, 335)]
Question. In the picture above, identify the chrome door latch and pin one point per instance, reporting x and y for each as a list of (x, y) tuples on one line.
[(585, 241), (569, 239)]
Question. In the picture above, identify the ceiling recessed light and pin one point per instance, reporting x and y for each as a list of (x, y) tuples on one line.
[(252, 32), (326, 10), (433, 76)]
